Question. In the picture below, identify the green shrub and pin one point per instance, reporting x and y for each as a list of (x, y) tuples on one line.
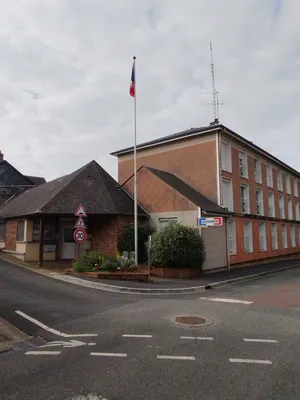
[(88, 262), (127, 241), (112, 265), (177, 246)]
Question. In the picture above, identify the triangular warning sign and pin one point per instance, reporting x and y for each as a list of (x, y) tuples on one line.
[(80, 212), (80, 223)]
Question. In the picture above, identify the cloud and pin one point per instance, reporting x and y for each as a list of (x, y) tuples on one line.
[(65, 73)]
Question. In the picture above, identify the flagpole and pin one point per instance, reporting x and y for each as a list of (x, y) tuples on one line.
[(135, 177)]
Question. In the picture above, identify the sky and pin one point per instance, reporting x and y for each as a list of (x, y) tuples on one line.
[(65, 71)]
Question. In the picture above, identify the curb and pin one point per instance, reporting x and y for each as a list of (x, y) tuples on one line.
[(166, 291), (12, 333)]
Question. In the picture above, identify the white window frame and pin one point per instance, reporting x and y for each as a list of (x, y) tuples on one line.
[(279, 181), (245, 205), (259, 203), (297, 210), (293, 235), (262, 236), (271, 205), (166, 220), (248, 237), (269, 170), (257, 170), (230, 200), (243, 164), (290, 209), (231, 232), (284, 236), (296, 192), (226, 160), (274, 234), (288, 184), (281, 207)]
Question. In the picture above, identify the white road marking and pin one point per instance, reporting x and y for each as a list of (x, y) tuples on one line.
[(235, 301), (109, 354), (42, 353), (196, 337), (54, 331), (248, 361), (176, 358), (137, 336), (261, 340)]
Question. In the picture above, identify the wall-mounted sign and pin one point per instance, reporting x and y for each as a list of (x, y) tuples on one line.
[(49, 248)]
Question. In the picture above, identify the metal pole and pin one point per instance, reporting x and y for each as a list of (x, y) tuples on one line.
[(135, 177)]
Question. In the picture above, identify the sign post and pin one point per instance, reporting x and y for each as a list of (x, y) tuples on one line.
[(80, 228)]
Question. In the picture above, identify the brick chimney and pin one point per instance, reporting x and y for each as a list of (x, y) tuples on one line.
[(1, 156)]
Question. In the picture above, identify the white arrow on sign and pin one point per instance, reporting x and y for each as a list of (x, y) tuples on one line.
[(72, 343)]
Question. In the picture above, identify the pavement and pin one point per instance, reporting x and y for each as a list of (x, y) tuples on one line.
[(246, 349)]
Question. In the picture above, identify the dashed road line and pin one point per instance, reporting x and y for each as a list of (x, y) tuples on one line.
[(261, 340), (196, 337), (42, 353), (191, 358), (249, 361), (221, 300), (136, 336), (51, 330), (123, 355)]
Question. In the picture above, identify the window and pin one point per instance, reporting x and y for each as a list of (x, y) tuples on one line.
[(288, 184), (49, 231), (20, 231), (279, 181), (271, 204), (290, 209), (227, 194), (262, 236), (284, 237), (226, 156), (293, 236), (295, 187), (231, 237), (248, 246), (162, 222), (297, 211), (269, 176), (257, 170), (259, 202), (2, 231), (243, 161), (274, 236), (245, 199), (299, 236), (281, 207)]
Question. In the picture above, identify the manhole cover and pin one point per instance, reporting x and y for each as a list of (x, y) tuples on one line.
[(189, 320)]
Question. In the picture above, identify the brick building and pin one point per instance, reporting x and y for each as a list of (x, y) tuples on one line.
[(38, 224), (260, 191)]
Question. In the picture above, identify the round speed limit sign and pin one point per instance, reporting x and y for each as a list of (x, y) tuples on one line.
[(79, 235)]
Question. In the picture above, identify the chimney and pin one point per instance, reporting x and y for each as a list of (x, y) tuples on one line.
[(215, 122), (1, 156)]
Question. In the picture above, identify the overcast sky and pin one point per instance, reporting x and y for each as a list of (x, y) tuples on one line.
[(65, 69)]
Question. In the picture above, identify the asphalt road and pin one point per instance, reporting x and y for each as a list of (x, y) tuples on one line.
[(218, 361)]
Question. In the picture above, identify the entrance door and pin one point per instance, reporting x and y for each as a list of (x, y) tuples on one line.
[(68, 245)]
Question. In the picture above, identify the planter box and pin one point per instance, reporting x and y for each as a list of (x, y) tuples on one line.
[(183, 273)]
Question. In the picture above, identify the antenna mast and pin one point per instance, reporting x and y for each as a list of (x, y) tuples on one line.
[(215, 94)]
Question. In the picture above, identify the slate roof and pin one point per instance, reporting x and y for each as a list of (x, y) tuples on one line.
[(37, 180), (188, 192), (90, 185)]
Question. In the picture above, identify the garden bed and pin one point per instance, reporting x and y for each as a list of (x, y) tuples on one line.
[(139, 276)]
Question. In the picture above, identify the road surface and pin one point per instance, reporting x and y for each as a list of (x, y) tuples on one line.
[(248, 347)]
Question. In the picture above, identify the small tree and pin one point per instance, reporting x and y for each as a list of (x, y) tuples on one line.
[(127, 241), (177, 246)]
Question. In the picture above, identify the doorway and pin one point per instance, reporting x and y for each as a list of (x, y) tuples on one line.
[(68, 244)]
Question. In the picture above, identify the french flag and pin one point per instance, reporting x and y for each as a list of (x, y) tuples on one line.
[(132, 84)]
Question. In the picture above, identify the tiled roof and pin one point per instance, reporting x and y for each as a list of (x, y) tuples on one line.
[(37, 180), (188, 192), (90, 185)]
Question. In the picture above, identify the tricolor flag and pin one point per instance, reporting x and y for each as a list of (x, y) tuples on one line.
[(132, 84)]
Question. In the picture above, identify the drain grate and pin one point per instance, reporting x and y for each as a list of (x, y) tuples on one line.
[(190, 320)]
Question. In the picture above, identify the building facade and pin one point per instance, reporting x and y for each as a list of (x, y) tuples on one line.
[(260, 191)]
